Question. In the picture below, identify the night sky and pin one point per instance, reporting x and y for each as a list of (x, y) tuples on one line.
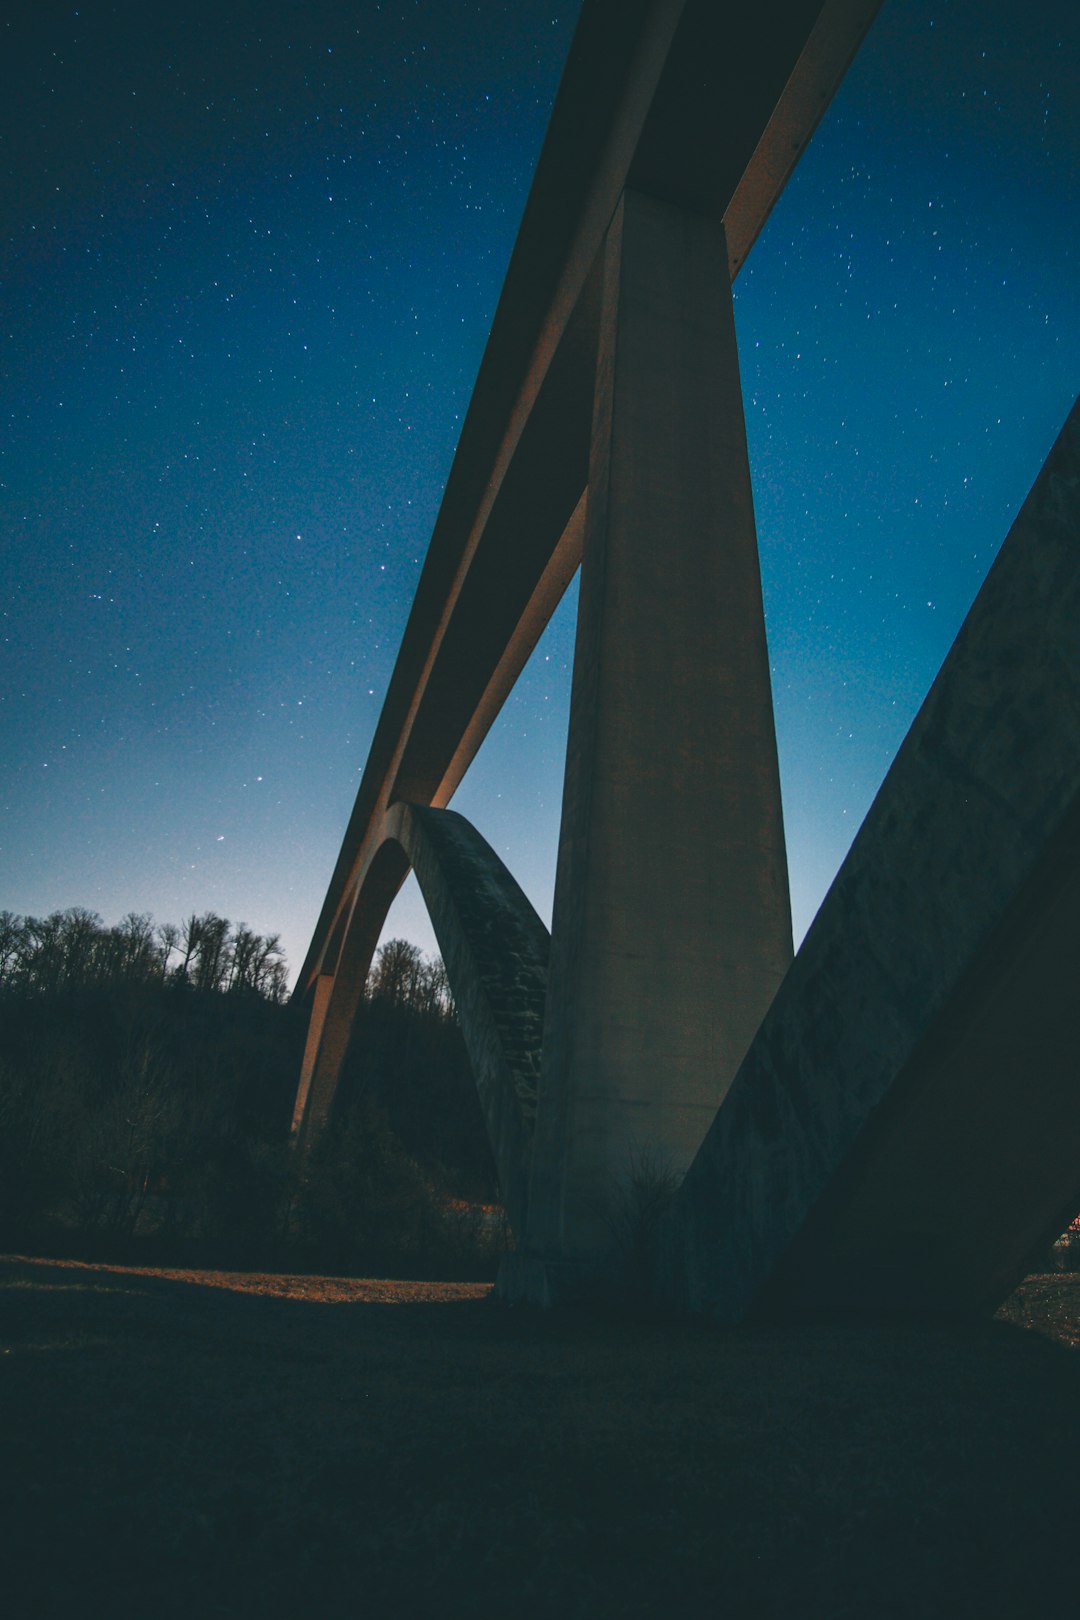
[(249, 254)]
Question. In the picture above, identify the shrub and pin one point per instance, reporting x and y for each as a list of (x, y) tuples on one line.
[(638, 1204)]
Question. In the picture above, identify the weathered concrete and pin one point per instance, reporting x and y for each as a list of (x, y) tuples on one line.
[(686, 100), (495, 950), (905, 1129), (672, 927), (909, 1109)]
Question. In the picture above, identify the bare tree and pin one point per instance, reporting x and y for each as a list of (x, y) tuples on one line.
[(168, 939), (212, 952), (132, 949), (14, 942), (396, 973), (190, 938), (73, 949)]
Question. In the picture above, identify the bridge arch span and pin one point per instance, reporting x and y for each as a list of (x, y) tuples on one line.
[(495, 949)]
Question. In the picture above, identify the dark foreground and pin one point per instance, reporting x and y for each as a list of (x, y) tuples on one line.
[(176, 1448)]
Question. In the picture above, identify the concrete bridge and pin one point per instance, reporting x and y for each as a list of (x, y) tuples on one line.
[(918, 1059)]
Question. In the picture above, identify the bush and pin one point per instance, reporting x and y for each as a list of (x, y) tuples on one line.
[(145, 1107), (364, 1202), (638, 1204), (367, 1206)]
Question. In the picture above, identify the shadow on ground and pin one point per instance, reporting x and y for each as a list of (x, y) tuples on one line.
[(179, 1449)]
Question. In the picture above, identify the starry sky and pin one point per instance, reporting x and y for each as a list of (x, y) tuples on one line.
[(249, 255)]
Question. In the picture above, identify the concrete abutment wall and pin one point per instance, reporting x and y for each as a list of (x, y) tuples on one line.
[(905, 1129)]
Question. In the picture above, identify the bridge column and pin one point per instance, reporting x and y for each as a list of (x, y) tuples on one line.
[(672, 926)]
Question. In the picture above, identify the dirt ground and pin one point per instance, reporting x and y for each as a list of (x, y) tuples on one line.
[(184, 1443)]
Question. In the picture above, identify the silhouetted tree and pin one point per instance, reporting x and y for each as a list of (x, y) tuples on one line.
[(147, 1076), (168, 938), (211, 965), (395, 973), (190, 934), (256, 963), (130, 949), (72, 951)]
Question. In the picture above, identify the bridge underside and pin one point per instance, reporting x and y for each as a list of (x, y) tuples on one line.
[(870, 1086)]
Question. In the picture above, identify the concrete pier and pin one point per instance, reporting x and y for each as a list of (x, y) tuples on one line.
[(673, 104), (892, 1120), (672, 927), (899, 1106)]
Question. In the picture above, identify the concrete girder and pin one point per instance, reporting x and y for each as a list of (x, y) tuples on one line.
[(704, 105), (943, 963), (673, 117), (905, 1130)]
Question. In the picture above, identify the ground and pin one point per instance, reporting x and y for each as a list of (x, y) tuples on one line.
[(204, 1444)]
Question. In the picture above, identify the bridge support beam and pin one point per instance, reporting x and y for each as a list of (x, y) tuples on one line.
[(672, 926)]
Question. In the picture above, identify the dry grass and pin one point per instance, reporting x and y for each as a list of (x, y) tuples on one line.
[(197, 1444)]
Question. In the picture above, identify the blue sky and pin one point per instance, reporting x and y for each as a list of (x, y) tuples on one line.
[(244, 294)]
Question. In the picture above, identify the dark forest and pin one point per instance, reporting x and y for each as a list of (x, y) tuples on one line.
[(147, 1076)]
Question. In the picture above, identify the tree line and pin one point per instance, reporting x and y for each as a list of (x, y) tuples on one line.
[(73, 949), (147, 1077)]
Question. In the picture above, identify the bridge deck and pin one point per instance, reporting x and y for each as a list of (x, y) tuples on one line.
[(706, 106)]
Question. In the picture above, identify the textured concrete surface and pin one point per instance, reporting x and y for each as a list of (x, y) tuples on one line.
[(612, 365), (704, 105), (495, 949), (672, 927), (906, 1126)]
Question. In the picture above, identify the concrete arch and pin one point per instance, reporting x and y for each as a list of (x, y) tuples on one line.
[(606, 427), (338, 989), (495, 949)]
